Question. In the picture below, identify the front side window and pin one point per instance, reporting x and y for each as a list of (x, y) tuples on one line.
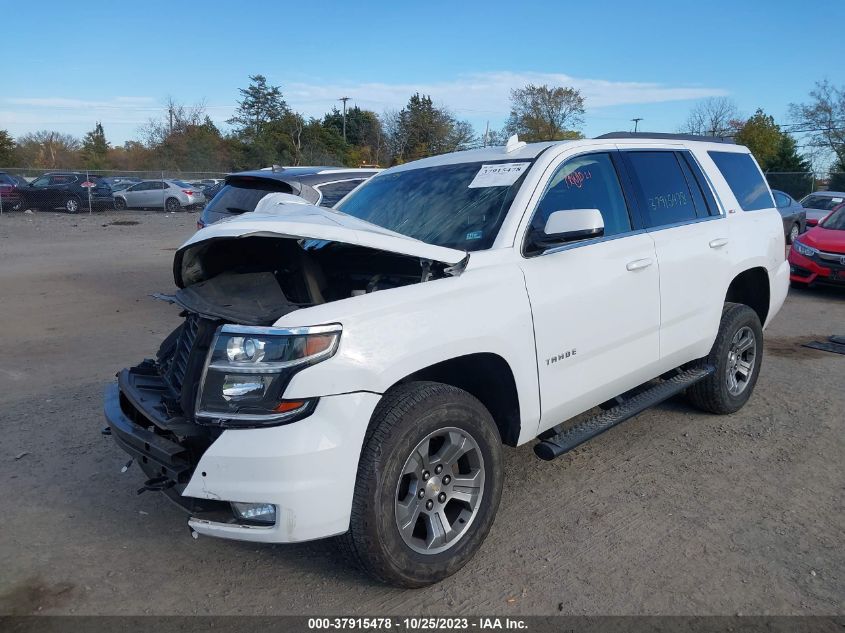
[(458, 206), (745, 180), (585, 182), (664, 194)]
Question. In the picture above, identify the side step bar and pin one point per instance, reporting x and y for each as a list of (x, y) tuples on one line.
[(568, 439)]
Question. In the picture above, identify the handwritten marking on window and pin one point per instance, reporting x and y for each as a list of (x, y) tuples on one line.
[(577, 178), (668, 201)]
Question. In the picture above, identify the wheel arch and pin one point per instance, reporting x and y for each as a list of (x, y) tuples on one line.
[(485, 375), (752, 287)]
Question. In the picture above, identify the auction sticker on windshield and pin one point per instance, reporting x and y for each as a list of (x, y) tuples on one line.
[(499, 175)]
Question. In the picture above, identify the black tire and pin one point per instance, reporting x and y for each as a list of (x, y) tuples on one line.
[(404, 417), (171, 205), (714, 393), (72, 204), (794, 231), (119, 203)]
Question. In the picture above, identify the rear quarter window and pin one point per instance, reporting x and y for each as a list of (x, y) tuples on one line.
[(745, 180)]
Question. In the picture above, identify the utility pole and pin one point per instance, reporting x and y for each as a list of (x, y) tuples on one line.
[(344, 99), (170, 112), (486, 133), (636, 121)]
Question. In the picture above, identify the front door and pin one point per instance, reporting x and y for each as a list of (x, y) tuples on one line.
[(595, 302)]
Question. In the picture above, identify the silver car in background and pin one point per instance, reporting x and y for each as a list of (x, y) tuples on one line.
[(170, 195)]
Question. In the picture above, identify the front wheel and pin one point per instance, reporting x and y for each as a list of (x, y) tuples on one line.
[(428, 487), (119, 204), (737, 355)]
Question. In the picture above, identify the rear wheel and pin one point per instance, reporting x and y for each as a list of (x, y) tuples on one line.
[(737, 355), (171, 205), (428, 486)]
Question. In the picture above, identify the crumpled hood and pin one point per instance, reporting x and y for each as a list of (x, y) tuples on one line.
[(276, 218)]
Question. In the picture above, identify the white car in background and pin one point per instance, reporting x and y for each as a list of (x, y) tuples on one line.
[(818, 205), (170, 195)]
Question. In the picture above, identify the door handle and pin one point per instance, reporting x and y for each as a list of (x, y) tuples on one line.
[(719, 242), (639, 264)]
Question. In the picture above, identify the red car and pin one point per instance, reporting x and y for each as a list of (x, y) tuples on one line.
[(819, 254), (10, 191)]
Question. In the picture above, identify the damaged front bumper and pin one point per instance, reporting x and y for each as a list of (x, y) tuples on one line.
[(306, 469)]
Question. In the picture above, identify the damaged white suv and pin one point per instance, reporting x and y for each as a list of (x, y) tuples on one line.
[(356, 371)]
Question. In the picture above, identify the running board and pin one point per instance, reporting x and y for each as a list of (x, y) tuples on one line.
[(568, 439)]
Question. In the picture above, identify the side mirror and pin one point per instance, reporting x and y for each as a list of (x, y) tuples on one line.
[(568, 226)]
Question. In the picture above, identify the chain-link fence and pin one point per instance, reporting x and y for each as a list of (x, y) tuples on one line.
[(23, 188)]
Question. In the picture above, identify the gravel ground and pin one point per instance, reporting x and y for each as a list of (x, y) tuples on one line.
[(675, 512)]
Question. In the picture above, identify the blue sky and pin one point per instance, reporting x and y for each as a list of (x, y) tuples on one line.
[(647, 59)]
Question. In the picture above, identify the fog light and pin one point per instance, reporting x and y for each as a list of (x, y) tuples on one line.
[(256, 512)]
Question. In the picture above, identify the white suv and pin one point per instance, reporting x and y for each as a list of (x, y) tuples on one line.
[(356, 371)]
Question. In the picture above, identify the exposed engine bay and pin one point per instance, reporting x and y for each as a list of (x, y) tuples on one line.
[(254, 280)]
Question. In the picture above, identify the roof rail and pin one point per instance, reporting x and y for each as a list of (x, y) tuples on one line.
[(663, 136)]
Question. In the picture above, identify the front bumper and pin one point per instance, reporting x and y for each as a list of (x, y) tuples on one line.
[(806, 270), (307, 469)]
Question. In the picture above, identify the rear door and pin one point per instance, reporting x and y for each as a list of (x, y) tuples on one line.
[(692, 241)]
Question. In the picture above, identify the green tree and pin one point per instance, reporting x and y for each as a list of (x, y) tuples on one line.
[(365, 135), (543, 113), (95, 148), (422, 129), (260, 104), (7, 149), (789, 171), (762, 136)]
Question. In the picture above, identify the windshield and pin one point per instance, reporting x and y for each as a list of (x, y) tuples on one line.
[(823, 203), (458, 206), (835, 221), (181, 184)]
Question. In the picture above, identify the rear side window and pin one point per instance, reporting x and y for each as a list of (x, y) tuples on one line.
[(334, 191), (662, 188), (745, 180), (781, 199)]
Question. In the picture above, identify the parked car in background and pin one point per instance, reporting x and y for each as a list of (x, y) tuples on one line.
[(323, 186), (793, 214), (120, 186), (10, 191), (70, 191), (817, 205), (170, 195), (819, 254)]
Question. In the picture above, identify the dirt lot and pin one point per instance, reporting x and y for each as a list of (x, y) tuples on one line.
[(675, 512)]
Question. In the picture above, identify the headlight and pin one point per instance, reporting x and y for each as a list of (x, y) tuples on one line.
[(803, 249), (248, 369)]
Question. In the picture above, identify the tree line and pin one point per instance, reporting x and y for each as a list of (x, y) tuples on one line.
[(265, 130)]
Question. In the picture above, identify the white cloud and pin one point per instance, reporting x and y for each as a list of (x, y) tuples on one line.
[(484, 93), (478, 97)]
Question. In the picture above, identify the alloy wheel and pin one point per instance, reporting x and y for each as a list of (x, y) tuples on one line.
[(741, 356), (439, 491), (72, 205)]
